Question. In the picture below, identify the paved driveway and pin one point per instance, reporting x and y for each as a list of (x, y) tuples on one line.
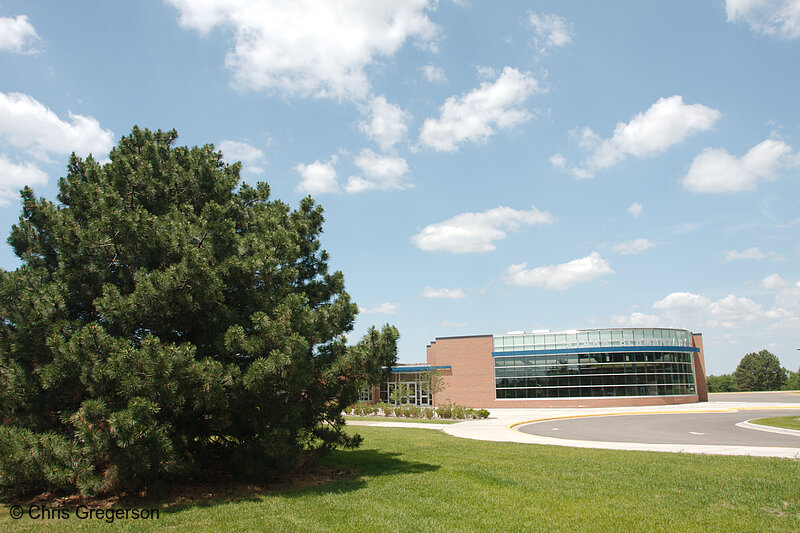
[(758, 397), (677, 428), (708, 427)]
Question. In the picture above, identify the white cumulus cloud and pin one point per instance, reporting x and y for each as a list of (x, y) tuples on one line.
[(17, 34), (27, 124), (789, 298), (550, 30), (380, 172), (477, 115), (317, 177), (635, 209), (690, 310), (432, 73), (685, 302), (450, 294), (635, 246), (665, 123), (558, 161), (476, 232), (306, 47), (637, 320), (388, 123), (686, 308), (779, 18), (787, 294), (249, 155), (714, 170), (385, 308), (14, 176), (561, 276), (773, 282), (750, 253), (732, 311)]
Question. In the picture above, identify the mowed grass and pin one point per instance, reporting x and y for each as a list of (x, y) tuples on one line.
[(424, 480), (786, 422)]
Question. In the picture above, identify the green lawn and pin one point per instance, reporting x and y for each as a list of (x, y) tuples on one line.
[(786, 422), (422, 480), (401, 419)]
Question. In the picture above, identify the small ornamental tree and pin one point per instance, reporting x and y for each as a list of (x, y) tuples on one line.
[(432, 381), (759, 371), (401, 394), (169, 321)]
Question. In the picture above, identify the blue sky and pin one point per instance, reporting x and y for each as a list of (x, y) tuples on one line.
[(484, 166)]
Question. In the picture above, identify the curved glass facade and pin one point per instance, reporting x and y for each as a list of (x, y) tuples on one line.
[(627, 362)]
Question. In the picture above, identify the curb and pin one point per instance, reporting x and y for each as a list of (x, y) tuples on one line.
[(769, 429), (514, 425)]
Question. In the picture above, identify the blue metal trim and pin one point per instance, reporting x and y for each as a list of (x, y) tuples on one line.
[(421, 368), (607, 349)]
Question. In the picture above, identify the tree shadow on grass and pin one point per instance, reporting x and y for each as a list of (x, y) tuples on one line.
[(340, 472)]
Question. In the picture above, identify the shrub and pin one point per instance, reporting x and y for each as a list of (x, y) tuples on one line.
[(483, 413), (444, 411), (429, 413), (458, 412)]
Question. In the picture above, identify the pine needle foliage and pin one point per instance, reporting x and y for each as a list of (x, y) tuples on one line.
[(168, 322)]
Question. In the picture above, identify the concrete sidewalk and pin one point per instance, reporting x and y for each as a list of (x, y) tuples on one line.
[(499, 427)]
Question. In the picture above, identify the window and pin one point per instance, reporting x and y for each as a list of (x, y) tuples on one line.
[(629, 373)]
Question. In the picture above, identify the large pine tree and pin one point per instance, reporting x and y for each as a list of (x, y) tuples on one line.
[(169, 320)]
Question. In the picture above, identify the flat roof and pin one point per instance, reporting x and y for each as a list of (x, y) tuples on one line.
[(564, 331), (598, 349), (460, 337)]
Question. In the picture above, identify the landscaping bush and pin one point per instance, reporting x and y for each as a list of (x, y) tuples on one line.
[(458, 412), (429, 413), (444, 411), (483, 413)]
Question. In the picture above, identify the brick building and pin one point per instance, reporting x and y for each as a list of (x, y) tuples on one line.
[(590, 368)]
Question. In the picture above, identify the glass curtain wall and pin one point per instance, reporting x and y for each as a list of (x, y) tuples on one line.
[(592, 339), (526, 372), (594, 375)]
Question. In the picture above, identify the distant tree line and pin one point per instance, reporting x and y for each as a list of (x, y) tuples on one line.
[(760, 371)]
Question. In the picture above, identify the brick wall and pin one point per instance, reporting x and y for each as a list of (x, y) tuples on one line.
[(470, 382), (700, 368)]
